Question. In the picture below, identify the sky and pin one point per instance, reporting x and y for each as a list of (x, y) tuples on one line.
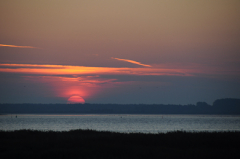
[(121, 51)]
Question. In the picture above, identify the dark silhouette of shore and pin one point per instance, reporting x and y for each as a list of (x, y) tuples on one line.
[(221, 106), (94, 144)]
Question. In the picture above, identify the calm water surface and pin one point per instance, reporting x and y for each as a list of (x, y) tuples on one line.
[(122, 123)]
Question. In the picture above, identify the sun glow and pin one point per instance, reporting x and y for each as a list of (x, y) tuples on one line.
[(84, 86), (79, 83)]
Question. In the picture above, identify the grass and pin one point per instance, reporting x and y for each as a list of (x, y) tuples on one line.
[(91, 144)]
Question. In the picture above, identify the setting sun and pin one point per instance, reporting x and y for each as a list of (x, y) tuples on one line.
[(75, 99)]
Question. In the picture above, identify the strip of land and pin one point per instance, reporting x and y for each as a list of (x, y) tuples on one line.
[(226, 106)]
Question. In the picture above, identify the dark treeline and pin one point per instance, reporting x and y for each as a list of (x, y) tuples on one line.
[(89, 144), (220, 106)]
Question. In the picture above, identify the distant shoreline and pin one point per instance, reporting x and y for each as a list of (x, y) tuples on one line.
[(226, 106)]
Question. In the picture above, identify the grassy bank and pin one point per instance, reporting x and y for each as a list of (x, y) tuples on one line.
[(94, 144)]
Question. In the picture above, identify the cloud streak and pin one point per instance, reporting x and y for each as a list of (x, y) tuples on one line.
[(83, 70), (131, 61), (16, 46), (161, 70)]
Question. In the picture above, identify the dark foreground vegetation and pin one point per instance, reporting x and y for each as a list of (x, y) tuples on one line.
[(93, 144)]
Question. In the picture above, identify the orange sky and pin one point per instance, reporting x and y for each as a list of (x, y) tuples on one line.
[(186, 47)]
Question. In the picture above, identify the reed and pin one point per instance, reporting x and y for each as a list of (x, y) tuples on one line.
[(101, 144)]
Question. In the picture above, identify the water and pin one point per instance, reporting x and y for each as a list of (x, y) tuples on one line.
[(122, 123)]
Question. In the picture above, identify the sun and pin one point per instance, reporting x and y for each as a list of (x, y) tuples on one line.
[(75, 99)]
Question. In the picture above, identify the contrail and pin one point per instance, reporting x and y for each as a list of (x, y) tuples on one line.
[(131, 61), (28, 47)]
